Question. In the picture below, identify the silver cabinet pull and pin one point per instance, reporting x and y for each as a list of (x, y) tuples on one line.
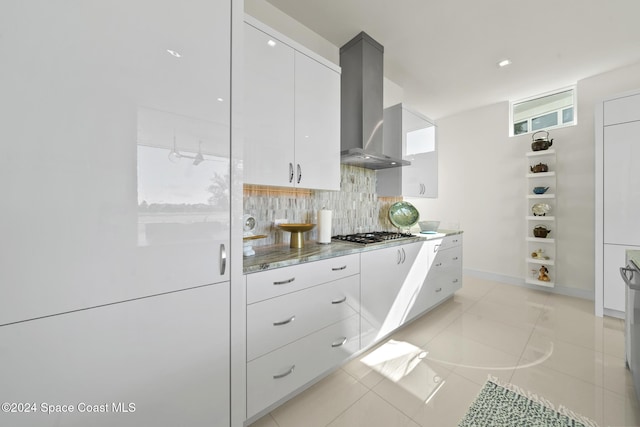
[(223, 259), (299, 172), (399, 257), (436, 247), (439, 289), (455, 258), (455, 281), (284, 322), (438, 264), (290, 172), (284, 374), (284, 282), (339, 343), (339, 268), (339, 301), (404, 255)]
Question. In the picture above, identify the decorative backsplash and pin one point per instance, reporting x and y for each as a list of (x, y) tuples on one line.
[(356, 208)]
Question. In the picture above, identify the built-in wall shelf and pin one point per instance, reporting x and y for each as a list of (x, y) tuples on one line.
[(541, 174), (546, 246)]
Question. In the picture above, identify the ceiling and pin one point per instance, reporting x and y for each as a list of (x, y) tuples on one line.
[(444, 53)]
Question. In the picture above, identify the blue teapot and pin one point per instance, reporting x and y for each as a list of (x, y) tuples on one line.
[(540, 190)]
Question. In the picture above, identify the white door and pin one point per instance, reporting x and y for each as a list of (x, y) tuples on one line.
[(268, 110), (158, 361), (317, 125), (420, 179), (99, 203), (388, 290), (622, 184)]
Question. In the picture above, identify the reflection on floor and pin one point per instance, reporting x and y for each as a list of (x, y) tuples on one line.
[(428, 373)]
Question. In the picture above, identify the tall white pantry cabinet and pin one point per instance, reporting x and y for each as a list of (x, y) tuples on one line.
[(115, 252), (617, 127)]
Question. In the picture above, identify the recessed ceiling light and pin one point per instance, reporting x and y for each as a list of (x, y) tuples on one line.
[(504, 63), (174, 53), (271, 43)]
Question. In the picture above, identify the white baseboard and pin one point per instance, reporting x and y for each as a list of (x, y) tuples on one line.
[(519, 281)]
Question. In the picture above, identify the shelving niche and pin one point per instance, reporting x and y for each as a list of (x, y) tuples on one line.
[(547, 244)]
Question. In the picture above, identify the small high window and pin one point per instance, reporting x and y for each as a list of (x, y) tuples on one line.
[(551, 110)]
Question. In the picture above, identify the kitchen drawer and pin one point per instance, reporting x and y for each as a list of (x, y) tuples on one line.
[(446, 243), (272, 283), (622, 110), (276, 374), (278, 321), (447, 260)]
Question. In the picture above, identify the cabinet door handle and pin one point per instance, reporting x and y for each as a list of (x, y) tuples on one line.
[(424, 188), (223, 259), (284, 374), (299, 172), (436, 247), (439, 289), (399, 257), (284, 322), (438, 264), (339, 301), (290, 172), (284, 282), (455, 281), (455, 258), (339, 343), (339, 268), (404, 255)]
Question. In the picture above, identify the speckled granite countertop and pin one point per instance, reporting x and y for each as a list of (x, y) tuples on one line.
[(276, 256)]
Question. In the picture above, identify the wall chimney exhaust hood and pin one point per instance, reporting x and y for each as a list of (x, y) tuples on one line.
[(361, 114)]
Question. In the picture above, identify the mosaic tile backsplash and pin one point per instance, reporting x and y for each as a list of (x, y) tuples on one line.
[(356, 208)]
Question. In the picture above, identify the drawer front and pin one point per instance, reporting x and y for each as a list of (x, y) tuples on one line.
[(447, 242), (278, 321), (276, 374), (272, 283), (446, 260)]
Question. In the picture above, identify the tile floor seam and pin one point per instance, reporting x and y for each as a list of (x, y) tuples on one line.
[(349, 407)]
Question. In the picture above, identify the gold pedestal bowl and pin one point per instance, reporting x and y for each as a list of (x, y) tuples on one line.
[(296, 230)]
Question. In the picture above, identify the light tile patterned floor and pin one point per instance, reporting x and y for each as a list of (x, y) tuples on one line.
[(549, 344)]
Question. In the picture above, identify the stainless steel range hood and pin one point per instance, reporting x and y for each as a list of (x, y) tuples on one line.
[(362, 144)]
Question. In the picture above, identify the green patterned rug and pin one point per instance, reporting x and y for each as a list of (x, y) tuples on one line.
[(506, 405)]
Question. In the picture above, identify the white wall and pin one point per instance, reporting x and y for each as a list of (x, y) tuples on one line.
[(482, 186)]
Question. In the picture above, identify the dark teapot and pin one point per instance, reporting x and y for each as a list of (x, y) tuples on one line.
[(541, 231), (540, 167), (541, 143)]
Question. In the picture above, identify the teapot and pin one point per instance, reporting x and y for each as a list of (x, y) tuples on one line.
[(540, 167), (540, 190), (541, 143), (541, 231)]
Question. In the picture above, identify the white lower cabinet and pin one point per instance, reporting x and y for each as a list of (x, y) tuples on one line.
[(301, 321), (279, 373), (158, 361), (388, 288)]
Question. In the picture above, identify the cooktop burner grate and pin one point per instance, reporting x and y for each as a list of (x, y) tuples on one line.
[(371, 237)]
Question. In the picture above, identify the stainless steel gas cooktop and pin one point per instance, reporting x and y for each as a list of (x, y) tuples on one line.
[(371, 237)]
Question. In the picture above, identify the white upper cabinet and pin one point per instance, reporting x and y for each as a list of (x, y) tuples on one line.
[(269, 156), (292, 113), (115, 123), (413, 137)]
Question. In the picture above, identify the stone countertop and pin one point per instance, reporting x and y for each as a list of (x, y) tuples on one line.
[(276, 256)]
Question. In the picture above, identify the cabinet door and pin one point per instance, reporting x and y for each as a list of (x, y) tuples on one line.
[(390, 280), (614, 287), (421, 178), (268, 110), (622, 183), (97, 211), (158, 361), (317, 125)]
